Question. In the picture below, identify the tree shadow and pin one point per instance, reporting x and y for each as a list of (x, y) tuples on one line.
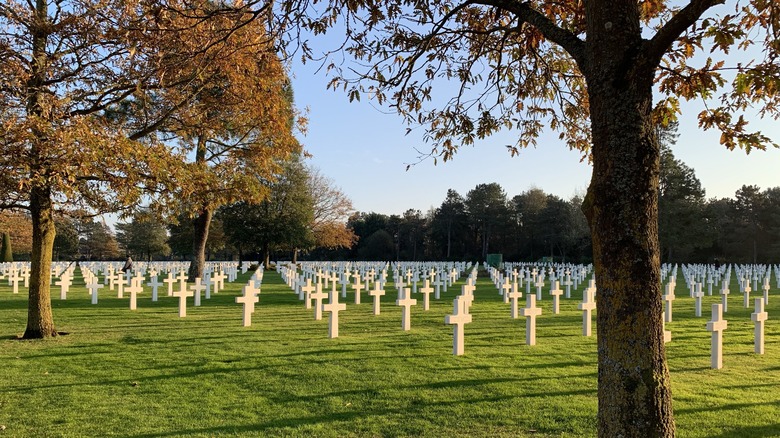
[(768, 430)]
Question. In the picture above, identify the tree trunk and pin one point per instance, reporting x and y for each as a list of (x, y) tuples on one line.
[(449, 238), (200, 234), (634, 389), (266, 255), (40, 321)]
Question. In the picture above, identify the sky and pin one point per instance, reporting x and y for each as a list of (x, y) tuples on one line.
[(364, 149)]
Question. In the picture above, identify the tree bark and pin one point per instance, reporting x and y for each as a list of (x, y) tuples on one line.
[(40, 320), (634, 389), (200, 234)]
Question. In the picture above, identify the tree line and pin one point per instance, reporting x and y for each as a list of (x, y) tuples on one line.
[(306, 215), (303, 210), (535, 225)]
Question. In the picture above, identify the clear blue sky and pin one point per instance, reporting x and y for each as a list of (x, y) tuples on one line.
[(364, 149)]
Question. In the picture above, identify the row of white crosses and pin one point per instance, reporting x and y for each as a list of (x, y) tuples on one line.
[(697, 289), (19, 272), (460, 314), (528, 273), (717, 325), (314, 277), (135, 284), (511, 295)]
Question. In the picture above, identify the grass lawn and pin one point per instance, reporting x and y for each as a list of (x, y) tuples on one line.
[(149, 373)]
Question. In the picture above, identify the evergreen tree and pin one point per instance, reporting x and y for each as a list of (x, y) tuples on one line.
[(6, 252)]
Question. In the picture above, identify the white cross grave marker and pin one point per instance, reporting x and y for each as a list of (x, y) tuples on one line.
[(134, 289), (556, 293), (14, 279), (758, 317), (154, 284), (119, 280), (334, 307), (716, 326), (169, 281), (64, 286), (514, 296), (765, 288), (587, 306), (248, 299), (306, 291), (668, 298), (426, 290), (358, 286), (697, 296), (197, 288), (404, 300), (93, 287), (458, 319), (318, 295), (530, 311), (377, 293), (182, 294), (506, 287)]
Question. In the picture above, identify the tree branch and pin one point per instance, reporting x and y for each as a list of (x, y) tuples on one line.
[(562, 37), (665, 37)]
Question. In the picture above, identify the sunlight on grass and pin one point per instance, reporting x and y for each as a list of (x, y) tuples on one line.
[(148, 373)]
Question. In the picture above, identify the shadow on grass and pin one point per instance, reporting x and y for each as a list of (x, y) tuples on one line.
[(769, 430), (142, 379), (733, 406), (335, 417)]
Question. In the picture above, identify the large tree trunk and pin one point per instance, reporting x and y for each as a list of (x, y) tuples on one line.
[(634, 390), (200, 234), (40, 321)]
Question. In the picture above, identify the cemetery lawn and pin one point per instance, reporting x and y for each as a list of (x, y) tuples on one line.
[(149, 373)]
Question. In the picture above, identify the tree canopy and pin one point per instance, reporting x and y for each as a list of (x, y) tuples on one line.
[(90, 85)]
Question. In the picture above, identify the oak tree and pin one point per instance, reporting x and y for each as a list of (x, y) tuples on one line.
[(19, 226), (587, 70), (84, 95), (240, 122)]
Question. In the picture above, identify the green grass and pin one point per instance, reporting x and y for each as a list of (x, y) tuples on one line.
[(148, 373)]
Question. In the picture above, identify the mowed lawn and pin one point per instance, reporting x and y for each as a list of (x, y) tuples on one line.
[(149, 373)]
